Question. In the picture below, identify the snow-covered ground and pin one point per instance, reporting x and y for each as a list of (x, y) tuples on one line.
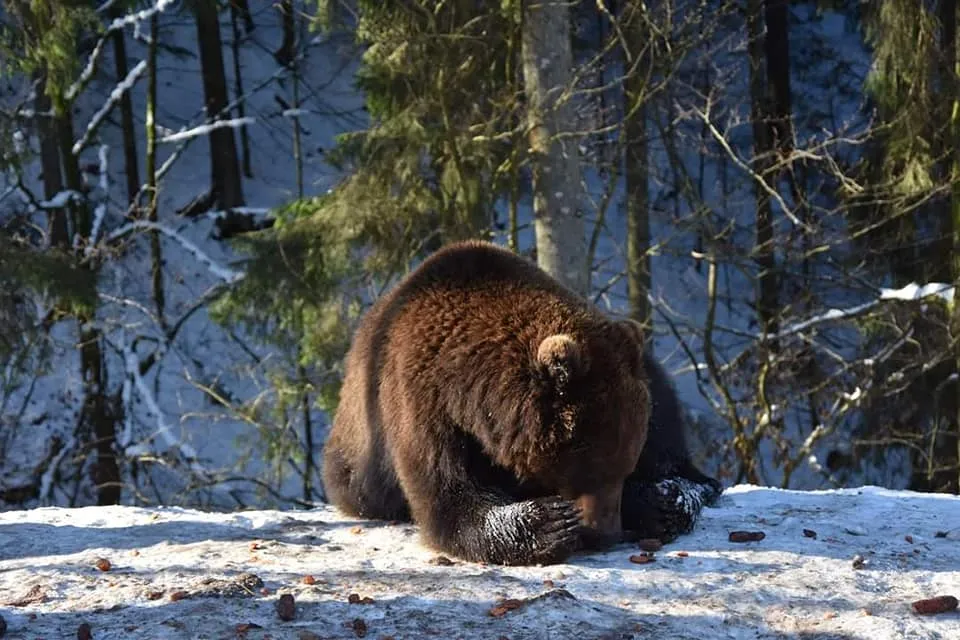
[(798, 581)]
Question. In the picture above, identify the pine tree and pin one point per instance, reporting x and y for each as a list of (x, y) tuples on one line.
[(909, 228)]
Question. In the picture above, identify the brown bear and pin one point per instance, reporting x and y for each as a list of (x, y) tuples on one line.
[(494, 407)]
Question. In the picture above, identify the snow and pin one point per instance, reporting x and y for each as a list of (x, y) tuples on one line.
[(205, 129), (787, 584), (913, 291), (115, 96), (224, 273)]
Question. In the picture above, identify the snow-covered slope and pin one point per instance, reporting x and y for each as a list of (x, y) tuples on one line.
[(792, 583)]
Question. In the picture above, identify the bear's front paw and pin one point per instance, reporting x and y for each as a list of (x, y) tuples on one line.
[(665, 510), (556, 528), (539, 531)]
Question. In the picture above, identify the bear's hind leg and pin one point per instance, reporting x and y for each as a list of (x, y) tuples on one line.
[(360, 486)]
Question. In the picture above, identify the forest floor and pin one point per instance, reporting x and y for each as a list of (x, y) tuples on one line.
[(832, 564)]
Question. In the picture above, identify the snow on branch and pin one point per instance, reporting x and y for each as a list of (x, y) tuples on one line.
[(205, 129), (100, 212), (914, 291), (910, 292), (60, 200), (114, 98), (118, 23), (224, 273), (164, 429)]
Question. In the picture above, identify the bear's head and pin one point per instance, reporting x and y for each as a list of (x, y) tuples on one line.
[(595, 400)]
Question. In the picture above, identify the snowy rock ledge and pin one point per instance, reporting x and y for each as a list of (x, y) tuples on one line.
[(174, 573)]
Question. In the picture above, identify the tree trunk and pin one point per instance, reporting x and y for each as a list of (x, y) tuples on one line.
[(156, 257), (637, 173), (287, 51), (777, 49), (225, 169), (242, 8), (557, 192), (50, 164), (97, 413), (945, 447), (763, 160), (238, 80), (131, 168)]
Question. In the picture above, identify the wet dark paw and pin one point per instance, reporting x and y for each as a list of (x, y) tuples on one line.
[(555, 529), (666, 509)]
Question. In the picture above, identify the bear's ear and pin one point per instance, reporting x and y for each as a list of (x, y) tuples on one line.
[(561, 358)]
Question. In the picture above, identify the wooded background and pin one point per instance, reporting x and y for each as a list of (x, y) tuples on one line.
[(200, 198)]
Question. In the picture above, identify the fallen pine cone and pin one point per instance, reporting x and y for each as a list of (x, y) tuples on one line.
[(683, 554), (908, 538), (746, 536), (286, 607), (642, 558), (178, 595), (650, 544), (504, 606), (309, 580), (103, 564), (359, 627), (810, 533), (354, 598), (939, 604), (243, 627), (154, 595), (84, 632)]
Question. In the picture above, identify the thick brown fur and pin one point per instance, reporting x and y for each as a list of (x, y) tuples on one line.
[(482, 399)]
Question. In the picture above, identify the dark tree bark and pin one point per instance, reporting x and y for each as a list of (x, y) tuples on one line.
[(760, 111), (98, 416), (939, 469), (235, 12), (947, 449), (57, 225), (241, 8), (131, 168), (637, 172), (156, 256), (225, 168), (287, 51), (777, 50)]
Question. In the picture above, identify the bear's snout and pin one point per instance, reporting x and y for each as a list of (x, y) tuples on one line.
[(601, 516)]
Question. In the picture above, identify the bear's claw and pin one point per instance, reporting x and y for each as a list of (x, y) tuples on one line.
[(556, 527)]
